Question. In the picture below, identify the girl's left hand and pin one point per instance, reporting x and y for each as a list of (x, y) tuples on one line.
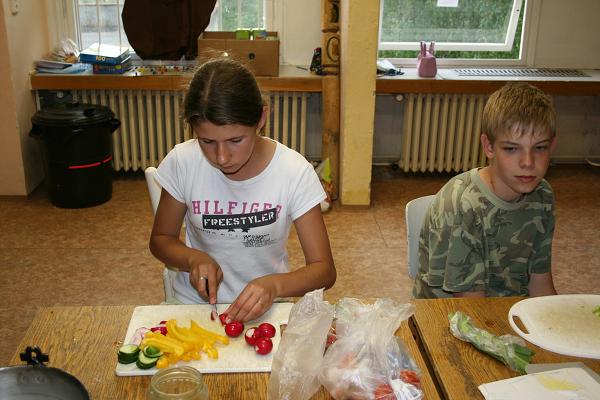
[(256, 299)]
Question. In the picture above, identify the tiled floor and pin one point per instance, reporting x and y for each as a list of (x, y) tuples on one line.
[(99, 255)]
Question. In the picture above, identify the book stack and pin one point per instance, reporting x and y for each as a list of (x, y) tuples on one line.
[(106, 58)]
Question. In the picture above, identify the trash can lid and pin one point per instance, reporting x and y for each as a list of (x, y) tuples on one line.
[(72, 114)]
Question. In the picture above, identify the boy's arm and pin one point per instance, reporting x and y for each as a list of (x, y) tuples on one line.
[(541, 285)]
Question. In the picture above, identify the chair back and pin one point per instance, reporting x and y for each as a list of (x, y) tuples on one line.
[(415, 213), (154, 188), (169, 274)]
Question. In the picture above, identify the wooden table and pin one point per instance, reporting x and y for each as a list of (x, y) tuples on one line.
[(458, 366), (83, 341)]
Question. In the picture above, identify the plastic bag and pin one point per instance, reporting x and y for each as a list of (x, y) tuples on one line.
[(367, 361), (508, 349), (66, 51), (295, 364)]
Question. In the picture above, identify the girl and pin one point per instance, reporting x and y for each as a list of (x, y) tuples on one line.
[(239, 193)]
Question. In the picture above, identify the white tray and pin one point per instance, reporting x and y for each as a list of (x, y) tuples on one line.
[(237, 356), (563, 324)]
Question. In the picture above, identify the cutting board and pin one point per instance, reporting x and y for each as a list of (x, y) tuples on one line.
[(237, 356), (563, 324)]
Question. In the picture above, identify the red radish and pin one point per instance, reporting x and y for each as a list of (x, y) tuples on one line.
[(266, 330), (223, 318), (234, 329), (263, 345), (251, 335), (160, 329)]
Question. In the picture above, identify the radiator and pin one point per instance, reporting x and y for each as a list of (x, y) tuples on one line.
[(151, 123), (441, 132)]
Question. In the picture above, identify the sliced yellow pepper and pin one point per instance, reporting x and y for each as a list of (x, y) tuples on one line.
[(163, 362), (164, 343), (197, 329), (173, 358), (211, 351), (183, 334)]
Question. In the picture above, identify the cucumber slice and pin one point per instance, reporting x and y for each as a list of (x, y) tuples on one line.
[(126, 359), (128, 354), (152, 352), (144, 362), (129, 349)]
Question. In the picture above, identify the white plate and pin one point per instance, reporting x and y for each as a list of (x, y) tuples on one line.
[(237, 356), (564, 324)]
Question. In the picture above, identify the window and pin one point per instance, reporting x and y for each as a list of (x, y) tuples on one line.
[(230, 15), (100, 20), (462, 29)]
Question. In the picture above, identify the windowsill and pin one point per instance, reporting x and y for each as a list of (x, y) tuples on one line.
[(291, 78), (448, 81)]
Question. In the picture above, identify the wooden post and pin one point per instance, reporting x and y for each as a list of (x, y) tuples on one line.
[(330, 56), (331, 128)]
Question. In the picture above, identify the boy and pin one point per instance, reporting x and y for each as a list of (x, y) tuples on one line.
[(489, 231)]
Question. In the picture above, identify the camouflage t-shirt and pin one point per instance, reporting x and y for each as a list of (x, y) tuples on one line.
[(472, 240)]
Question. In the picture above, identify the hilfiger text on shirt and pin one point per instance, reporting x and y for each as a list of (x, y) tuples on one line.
[(218, 207)]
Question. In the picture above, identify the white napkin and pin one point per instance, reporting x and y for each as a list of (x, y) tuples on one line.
[(559, 384)]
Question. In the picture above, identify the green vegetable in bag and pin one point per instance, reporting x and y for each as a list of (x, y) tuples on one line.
[(507, 349)]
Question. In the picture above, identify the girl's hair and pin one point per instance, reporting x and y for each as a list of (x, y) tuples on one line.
[(223, 92), (518, 108)]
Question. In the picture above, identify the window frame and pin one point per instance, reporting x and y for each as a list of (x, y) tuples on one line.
[(531, 10)]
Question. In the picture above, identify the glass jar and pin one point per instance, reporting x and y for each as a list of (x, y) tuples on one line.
[(177, 383)]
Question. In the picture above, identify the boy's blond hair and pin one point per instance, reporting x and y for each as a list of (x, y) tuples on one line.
[(518, 108)]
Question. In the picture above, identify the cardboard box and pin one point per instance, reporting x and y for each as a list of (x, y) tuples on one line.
[(260, 56)]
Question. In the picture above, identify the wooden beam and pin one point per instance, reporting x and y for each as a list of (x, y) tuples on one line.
[(331, 128)]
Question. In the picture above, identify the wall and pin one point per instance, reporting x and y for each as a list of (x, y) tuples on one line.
[(566, 35), (299, 25), (577, 127), (26, 33), (12, 177)]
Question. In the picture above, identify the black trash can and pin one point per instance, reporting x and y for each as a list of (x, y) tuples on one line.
[(78, 146)]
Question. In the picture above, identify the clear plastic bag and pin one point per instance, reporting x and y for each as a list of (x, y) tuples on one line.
[(295, 364), (367, 361), (508, 349)]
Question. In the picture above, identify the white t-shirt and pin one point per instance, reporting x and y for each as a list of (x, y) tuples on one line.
[(242, 225)]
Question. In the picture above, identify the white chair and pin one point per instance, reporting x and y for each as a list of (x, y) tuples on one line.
[(415, 213), (169, 273)]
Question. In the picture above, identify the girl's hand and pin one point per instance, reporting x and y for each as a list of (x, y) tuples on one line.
[(205, 277), (256, 299)]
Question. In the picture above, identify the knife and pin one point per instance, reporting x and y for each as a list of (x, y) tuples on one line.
[(214, 314)]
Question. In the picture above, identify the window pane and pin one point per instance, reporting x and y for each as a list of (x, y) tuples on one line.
[(230, 15), (104, 29), (468, 53), (472, 21)]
